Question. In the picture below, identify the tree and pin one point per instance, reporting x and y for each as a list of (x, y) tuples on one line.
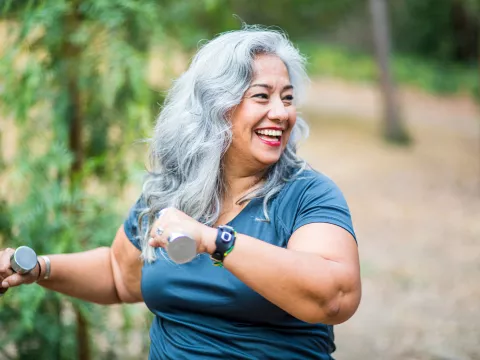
[(473, 7), (394, 129), (73, 75)]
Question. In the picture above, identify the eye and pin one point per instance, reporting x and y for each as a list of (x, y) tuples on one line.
[(288, 98), (261, 96)]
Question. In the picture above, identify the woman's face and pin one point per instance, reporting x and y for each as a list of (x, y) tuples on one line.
[(263, 121)]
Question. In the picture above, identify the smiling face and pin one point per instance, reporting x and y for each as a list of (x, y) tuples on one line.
[(263, 121)]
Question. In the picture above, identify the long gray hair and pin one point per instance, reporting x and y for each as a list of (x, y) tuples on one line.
[(193, 131)]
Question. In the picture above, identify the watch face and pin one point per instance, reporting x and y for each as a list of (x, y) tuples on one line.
[(227, 233), (226, 237)]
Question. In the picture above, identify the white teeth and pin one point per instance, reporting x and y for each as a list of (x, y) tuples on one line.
[(270, 132)]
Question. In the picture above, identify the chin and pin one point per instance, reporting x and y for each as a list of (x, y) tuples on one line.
[(268, 160)]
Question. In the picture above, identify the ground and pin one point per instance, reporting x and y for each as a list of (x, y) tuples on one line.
[(416, 211)]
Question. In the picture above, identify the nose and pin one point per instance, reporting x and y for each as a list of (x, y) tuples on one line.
[(278, 111)]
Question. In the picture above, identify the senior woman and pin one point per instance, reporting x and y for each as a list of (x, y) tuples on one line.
[(224, 166)]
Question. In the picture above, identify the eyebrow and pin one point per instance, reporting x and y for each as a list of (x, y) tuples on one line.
[(269, 87)]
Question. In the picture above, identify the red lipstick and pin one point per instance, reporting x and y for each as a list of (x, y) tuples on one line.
[(268, 140)]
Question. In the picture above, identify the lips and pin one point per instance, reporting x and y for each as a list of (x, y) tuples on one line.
[(271, 136)]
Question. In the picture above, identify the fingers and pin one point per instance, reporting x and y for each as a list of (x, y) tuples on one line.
[(13, 280), (169, 221), (158, 233), (6, 274), (8, 278), (157, 240), (158, 236), (5, 269)]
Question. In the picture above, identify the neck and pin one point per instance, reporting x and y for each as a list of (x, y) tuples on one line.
[(239, 182)]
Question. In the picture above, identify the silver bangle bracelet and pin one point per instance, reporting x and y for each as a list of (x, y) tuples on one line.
[(47, 267)]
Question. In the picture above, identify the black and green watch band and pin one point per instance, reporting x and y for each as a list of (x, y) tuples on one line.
[(225, 241)]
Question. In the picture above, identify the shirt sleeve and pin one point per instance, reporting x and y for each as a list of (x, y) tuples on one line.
[(321, 201), (131, 225)]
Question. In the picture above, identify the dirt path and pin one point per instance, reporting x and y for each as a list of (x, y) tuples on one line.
[(417, 215)]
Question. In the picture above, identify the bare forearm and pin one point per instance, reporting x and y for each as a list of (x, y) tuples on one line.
[(87, 275), (305, 285)]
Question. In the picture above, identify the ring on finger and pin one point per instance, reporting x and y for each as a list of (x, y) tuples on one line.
[(159, 231)]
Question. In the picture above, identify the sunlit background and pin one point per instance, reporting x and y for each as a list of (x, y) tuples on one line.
[(393, 111)]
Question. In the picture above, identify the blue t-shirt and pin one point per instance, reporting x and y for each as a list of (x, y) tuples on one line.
[(205, 312)]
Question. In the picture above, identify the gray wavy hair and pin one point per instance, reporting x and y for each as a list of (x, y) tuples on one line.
[(193, 131)]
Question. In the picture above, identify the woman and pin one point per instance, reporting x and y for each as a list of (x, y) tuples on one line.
[(224, 153)]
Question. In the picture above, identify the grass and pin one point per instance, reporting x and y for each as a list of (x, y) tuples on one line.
[(433, 77)]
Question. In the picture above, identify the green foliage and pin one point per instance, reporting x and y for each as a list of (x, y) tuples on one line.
[(473, 7), (51, 218), (442, 30), (5, 220), (413, 33), (301, 19), (189, 22), (73, 76), (431, 76)]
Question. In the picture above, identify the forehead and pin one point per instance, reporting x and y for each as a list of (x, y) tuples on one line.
[(269, 66)]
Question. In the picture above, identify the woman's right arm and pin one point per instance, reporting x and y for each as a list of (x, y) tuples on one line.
[(106, 275)]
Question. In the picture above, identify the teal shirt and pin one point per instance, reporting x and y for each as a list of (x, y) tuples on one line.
[(205, 312)]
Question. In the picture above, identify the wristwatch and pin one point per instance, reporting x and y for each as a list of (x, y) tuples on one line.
[(226, 236)]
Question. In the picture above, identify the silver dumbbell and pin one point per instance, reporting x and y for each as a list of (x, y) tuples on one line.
[(181, 248), (22, 261)]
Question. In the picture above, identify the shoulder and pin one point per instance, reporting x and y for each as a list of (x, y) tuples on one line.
[(312, 197), (310, 182)]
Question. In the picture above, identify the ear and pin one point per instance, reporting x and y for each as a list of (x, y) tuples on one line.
[(228, 115)]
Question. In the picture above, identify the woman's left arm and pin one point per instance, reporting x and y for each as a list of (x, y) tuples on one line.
[(316, 279)]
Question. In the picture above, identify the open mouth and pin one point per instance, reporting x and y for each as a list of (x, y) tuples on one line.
[(269, 136)]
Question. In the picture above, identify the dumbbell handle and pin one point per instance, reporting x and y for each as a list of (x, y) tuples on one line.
[(22, 261)]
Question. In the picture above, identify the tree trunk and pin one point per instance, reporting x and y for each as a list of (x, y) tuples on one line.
[(71, 54), (393, 127), (74, 111), (83, 339), (466, 31), (75, 130)]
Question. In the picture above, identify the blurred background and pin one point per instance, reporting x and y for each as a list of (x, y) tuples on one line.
[(393, 110)]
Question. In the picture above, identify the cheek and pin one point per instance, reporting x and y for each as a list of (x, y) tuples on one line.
[(292, 120), (286, 138), (242, 131), (243, 120), (241, 136)]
